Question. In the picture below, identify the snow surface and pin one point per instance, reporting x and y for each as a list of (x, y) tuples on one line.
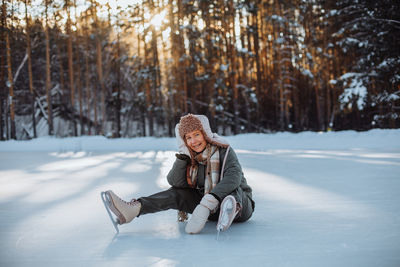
[(322, 199)]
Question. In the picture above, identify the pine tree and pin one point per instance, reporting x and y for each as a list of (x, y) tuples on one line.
[(10, 79), (29, 53), (48, 72)]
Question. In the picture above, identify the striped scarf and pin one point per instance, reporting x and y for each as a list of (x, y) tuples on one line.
[(210, 158)]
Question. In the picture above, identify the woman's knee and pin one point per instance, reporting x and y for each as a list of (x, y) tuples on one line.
[(186, 198), (246, 210)]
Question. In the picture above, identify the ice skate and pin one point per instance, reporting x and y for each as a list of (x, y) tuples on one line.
[(106, 201), (124, 211), (228, 212)]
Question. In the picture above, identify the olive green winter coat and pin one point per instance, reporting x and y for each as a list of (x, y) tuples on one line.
[(233, 181)]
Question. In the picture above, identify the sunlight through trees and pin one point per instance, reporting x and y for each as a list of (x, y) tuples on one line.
[(132, 68)]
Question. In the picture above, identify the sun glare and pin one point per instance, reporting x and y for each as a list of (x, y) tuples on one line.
[(158, 20)]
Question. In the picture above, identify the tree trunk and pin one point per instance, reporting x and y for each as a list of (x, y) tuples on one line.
[(99, 71), (71, 66), (88, 88), (99, 64), (29, 52), (117, 97), (87, 77), (102, 88), (79, 87), (148, 86), (3, 88), (78, 82), (10, 84), (154, 68), (258, 64), (48, 75), (180, 61), (3, 66), (234, 68), (245, 79)]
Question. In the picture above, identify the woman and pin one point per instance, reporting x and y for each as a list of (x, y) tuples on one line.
[(206, 179)]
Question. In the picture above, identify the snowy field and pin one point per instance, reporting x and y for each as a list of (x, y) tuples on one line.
[(330, 199)]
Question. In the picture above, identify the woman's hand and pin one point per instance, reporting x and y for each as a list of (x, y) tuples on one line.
[(183, 157), (200, 214)]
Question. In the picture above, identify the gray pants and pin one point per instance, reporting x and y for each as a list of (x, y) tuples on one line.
[(186, 199)]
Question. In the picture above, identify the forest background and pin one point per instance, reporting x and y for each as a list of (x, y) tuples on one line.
[(126, 69)]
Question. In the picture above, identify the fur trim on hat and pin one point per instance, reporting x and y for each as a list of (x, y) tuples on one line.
[(190, 123)]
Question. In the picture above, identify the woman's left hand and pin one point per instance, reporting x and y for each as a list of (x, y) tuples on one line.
[(200, 214)]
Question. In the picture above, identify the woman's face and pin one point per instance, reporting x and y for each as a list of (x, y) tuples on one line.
[(195, 140)]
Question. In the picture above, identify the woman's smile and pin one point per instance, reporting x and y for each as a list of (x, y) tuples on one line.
[(195, 140)]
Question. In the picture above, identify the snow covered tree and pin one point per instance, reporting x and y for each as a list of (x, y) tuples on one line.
[(249, 65), (370, 34)]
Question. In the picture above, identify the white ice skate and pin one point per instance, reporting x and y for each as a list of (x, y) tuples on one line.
[(227, 214), (124, 211)]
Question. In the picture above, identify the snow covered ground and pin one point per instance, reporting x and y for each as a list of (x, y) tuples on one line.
[(330, 199)]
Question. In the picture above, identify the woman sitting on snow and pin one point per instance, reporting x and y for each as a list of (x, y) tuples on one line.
[(205, 174)]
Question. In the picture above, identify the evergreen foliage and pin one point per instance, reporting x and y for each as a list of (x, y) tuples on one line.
[(249, 65)]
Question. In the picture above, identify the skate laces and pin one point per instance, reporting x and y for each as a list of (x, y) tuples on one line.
[(133, 202)]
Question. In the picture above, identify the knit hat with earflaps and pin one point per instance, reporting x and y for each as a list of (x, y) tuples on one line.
[(190, 123)]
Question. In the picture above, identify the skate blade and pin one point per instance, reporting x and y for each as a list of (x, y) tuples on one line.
[(218, 231), (106, 201), (226, 217)]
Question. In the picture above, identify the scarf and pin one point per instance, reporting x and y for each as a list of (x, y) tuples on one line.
[(210, 158)]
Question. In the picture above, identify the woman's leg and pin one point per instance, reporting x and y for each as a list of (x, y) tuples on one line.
[(246, 210), (184, 199)]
